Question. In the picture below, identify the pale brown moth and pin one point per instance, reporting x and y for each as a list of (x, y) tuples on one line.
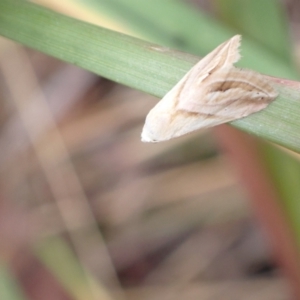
[(211, 93)]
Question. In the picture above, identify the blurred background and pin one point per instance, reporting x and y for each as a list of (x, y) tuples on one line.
[(87, 211)]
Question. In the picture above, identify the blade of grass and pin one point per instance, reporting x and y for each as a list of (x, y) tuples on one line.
[(118, 57), (284, 169), (141, 65), (57, 256), (26, 82), (198, 34), (280, 219), (265, 21), (148, 20), (9, 288)]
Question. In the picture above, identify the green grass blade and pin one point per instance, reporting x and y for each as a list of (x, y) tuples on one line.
[(118, 57), (63, 263), (9, 288), (264, 21), (284, 169), (142, 65), (188, 29), (160, 21), (285, 172)]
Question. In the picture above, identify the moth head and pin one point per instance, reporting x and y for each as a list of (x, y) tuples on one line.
[(164, 123), (156, 125)]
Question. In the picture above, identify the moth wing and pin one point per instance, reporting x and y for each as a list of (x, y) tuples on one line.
[(223, 56), (229, 94)]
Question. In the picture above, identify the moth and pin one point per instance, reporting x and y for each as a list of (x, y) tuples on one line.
[(214, 91)]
